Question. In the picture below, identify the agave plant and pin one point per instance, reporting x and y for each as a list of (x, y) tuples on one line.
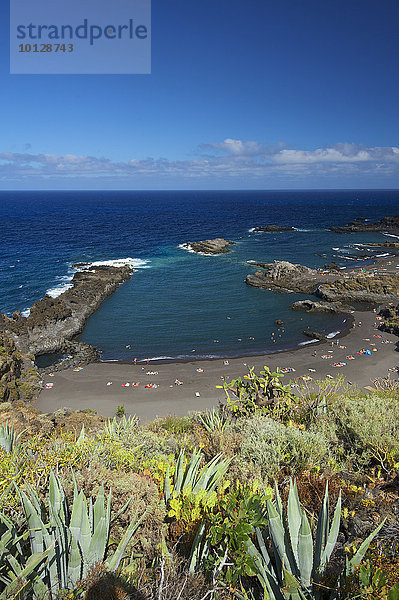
[(16, 572), (115, 427), (299, 563), (187, 475), (8, 438), (213, 420), (69, 542)]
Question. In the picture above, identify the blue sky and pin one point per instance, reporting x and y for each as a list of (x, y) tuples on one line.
[(242, 95)]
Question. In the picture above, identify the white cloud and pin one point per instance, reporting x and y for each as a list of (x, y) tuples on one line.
[(228, 159)]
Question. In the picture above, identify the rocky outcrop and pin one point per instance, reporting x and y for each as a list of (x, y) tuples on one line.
[(52, 321), (19, 380), (76, 354), (315, 335), (368, 288), (26, 420), (385, 245), (216, 246), (388, 224), (390, 323), (311, 306), (282, 276), (273, 228), (371, 288)]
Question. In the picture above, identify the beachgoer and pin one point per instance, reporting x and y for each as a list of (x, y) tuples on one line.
[(135, 361)]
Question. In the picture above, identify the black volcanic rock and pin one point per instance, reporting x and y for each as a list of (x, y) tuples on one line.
[(315, 335), (312, 306), (389, 224), (216, 246), (282, 276), (329, 286), (52, 321), (273, 228)]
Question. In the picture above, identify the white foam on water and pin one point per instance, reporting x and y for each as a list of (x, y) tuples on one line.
[(332, 334), (135, 263), (308, 342), (382, 255), (391, 235), (26, 312), (157, 358), (251, 230), (188, 248), (64, 282)]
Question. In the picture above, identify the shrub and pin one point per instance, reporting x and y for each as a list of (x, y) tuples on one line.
[(269, 446), (367, 424)]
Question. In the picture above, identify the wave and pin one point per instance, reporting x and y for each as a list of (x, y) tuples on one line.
[(308, 342), (332, 334), (382, 255), (64, 282), (391, 235), (25, 313), (251, 230), (188, 248), (135, 263), (308, 230)]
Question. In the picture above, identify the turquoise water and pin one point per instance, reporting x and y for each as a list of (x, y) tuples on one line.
[(179, 304)]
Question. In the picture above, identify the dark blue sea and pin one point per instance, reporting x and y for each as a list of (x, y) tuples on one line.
[(181, 305)]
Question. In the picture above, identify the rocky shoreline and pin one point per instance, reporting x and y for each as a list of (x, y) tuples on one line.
[(273, 228), (54, 322), (386, 224), (331, 286)]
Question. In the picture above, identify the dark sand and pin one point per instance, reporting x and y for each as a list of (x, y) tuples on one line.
[(88, 388)]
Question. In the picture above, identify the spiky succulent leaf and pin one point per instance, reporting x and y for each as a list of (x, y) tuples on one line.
[(33, 563), (266, 578), (323, 525), (305, 551), (332, 536), (113, 563), (179, 473), (192, 470), (80, 525), (166, 491), (358, 557), (196, 556), (75, 563), (294, 518)]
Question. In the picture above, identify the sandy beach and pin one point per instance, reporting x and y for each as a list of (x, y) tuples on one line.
[(103, 386), (367, 353)]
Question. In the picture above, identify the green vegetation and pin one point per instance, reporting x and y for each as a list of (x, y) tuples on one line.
[(233, 503)]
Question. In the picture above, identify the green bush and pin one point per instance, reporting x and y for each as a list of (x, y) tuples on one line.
[(268, 446), (367, 425)]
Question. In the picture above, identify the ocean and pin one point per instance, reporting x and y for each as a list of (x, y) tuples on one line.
[(181, 305)]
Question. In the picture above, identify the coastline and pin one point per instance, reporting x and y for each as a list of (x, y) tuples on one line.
[(88, 389)]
